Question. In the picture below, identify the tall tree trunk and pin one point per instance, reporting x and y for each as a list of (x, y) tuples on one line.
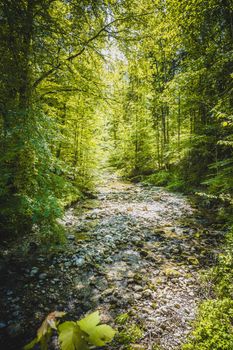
[(63, 122), (179, 124)]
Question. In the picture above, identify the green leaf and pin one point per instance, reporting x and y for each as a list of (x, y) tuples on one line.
[(71, 337), (44, 332), (30, 345), (101, 335), (89, 322), (44, 328)]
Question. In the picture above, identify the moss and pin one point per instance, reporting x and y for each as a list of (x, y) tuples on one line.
[(213, 327), (170, 272), (193, 260), (138, 277), (156, 347), (151, 286), (154, 305), (188, 275), (169, 234), (136, 347), (159, 281), (81, 236), (122, 319), (130, 335)]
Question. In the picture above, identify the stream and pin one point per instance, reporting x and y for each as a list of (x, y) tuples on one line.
[(134, 250)]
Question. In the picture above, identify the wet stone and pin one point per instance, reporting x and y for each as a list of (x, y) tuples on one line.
[(71, 237), (127, 253), (34, 271), (3, 325)]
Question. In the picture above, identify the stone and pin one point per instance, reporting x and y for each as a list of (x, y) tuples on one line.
[(34, 271), (137, 288), (137, 296), (130, 274), (177, 306), (79, 261), (147, 293), (137, 347), (147, 310), (108, 292), (130, 263), (3, 325), (67, 264), (71, 237), (68, 223), (14, 329)]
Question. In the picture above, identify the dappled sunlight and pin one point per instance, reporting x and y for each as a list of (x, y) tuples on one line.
[(116, 163), (149, 261)]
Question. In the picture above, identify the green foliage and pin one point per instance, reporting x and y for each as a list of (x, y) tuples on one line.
[(160, 105), (220, 185), (177, 184), (160, 110), (130, 335), (169, 179), (175, 116), (48, 120), (161, 178), (156, 347), (213, 329), (223, 272), (45, 331), (28, 198), (80, 335), (220, 181), (122, 318), (71, 337)]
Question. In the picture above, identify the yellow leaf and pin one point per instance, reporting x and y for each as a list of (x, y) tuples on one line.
[(49, 322)]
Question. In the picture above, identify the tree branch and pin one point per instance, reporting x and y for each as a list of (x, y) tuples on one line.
[(85, 45), (72, 90)]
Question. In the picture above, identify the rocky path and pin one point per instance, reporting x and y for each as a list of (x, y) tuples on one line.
[(134, 253)]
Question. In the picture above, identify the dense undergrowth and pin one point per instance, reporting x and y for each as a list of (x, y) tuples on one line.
[(213, 328)]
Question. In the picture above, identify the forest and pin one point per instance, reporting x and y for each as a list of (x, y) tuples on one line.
[(116, 174)]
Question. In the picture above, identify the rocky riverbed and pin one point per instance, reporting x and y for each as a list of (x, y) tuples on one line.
[(135, 253)]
